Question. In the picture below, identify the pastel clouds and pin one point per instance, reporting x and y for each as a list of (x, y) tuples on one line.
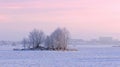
[(49, 4), (68, 9), (88, 17), (4, 18)]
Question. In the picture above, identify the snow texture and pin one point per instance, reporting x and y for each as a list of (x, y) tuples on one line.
[(85, 57)]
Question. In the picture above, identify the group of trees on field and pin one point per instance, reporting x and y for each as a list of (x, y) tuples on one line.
[(36, 39)]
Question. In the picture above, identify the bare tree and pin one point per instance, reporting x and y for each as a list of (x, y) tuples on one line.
[(66, 37), (59, 39), (36, 38), (25, 43), (48, 42)]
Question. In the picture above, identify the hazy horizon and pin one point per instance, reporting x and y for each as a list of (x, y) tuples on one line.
[(85, 19)]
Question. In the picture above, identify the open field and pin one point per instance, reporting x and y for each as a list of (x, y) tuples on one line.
[(85, 57)]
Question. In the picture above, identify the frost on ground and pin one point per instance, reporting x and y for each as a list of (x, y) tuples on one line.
[(85, 57)]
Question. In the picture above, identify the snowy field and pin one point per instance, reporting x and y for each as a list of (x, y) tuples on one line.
[(85, 57)]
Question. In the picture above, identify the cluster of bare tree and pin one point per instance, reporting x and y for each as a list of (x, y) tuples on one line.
[(58, 40)]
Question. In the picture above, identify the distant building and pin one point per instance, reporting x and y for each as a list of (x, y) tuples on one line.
[(105, 39), (108, 40)]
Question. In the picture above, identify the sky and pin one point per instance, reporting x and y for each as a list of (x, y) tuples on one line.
[(85, 19)]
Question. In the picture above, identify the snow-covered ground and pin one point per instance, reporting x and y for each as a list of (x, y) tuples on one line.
[(85, 57), (10, 47)]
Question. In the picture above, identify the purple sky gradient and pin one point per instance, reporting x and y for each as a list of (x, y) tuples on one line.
[(84, 18)]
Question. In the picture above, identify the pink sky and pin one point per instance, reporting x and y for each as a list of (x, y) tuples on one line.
[(84, 18)]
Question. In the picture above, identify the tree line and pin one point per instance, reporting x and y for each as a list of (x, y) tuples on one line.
[(37, 39)]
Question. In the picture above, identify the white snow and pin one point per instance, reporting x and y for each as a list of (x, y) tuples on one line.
[(85, 57), (10, 47)]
